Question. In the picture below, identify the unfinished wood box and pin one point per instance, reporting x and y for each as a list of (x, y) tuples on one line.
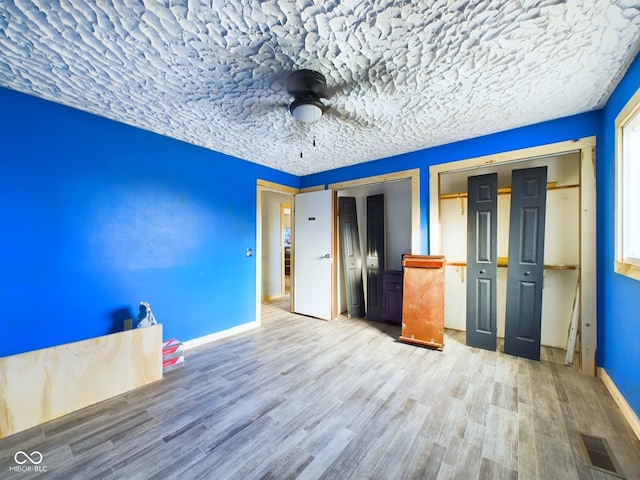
[(423, 301), (41, 385)]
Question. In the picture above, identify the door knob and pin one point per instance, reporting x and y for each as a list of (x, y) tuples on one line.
[(483, 271), (328, 255), (526, 274)]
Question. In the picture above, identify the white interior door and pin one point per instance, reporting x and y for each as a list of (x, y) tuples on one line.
[(312, 253)]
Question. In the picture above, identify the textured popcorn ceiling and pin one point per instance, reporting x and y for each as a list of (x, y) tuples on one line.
[(405, 75)]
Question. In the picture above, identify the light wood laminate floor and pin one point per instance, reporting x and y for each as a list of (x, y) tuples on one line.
[(309, 399)]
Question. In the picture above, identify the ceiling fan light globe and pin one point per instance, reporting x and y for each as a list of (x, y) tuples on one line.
[(306, 112)]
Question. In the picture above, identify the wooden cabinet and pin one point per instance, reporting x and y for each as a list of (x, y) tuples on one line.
[(392, 287), (423, 300)]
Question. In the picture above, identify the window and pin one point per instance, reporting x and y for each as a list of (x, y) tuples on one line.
[(627, 258)]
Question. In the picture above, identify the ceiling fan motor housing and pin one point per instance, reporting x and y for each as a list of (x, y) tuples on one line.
[(307, 83)]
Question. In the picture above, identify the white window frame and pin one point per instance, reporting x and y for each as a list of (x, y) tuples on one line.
[(627, 232)]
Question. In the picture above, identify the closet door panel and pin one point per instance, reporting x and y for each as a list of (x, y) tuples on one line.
[(482, 227), (526, 262), (375, 258), (351, 258)]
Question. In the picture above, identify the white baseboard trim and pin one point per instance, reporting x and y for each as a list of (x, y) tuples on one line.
[(628, 413), (196, 342)]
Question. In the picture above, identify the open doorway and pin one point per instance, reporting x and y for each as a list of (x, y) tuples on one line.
[(561, 246), (569, 244), (402, 232), (285, 223), (274, 248), (273, 213)]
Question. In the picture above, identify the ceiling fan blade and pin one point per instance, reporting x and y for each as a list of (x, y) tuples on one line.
[(338, 89), (264, 104), (349, 118)]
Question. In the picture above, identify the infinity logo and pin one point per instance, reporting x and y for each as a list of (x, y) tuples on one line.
[(35, 458)]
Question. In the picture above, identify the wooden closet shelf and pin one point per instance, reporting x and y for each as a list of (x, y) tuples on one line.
[(501, 264), (506, 191)]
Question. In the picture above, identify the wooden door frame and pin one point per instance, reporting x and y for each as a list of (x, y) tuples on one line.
[(262, 186), (414, 176), (587, 271)]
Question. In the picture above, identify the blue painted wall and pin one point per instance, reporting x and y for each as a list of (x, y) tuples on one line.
[(97, 216), (568, 128), (618, 296)]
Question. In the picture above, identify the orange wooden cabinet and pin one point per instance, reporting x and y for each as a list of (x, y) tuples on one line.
[(423, 300)]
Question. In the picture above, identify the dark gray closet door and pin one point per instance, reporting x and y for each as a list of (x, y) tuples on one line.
[(526, 262), (482, 264), (375, 258), (351, 258)]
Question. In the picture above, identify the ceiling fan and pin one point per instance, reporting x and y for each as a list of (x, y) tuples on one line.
[(307, 88)]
